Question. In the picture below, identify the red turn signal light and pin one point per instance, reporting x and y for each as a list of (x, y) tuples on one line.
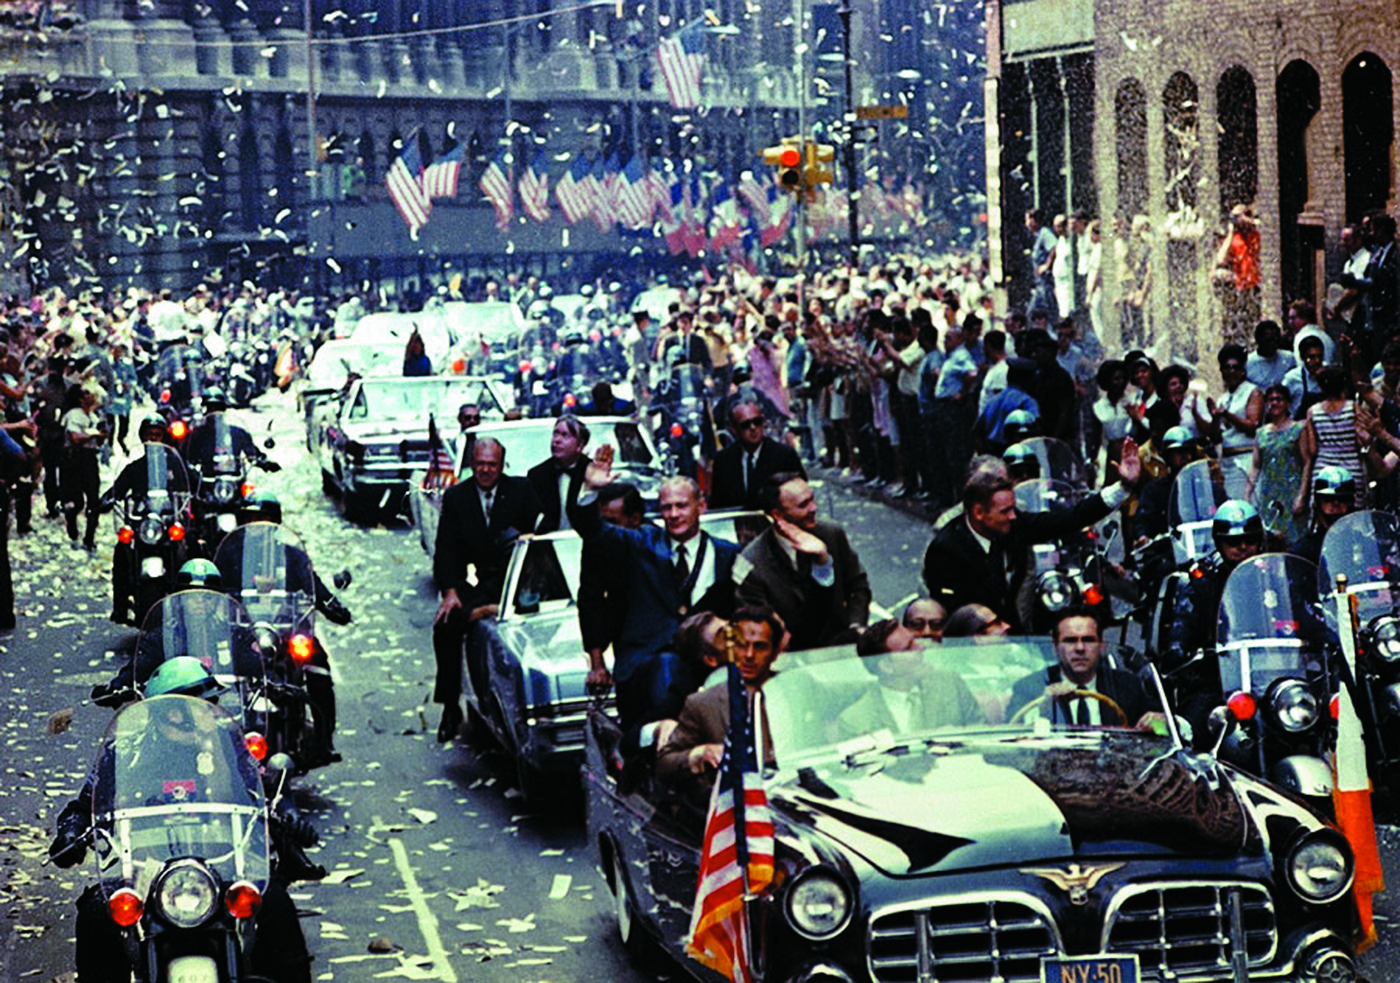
[(256, 745), (524, 368), (125, 907), (243, 900), (677, 430), (1241, 704), (176, 532), (459, 365), (248, 488), (570, 400), (1198, 573), (178, 429), (302, 648), (1334, 706), (165, 395), (125, 535), (1093, 595)]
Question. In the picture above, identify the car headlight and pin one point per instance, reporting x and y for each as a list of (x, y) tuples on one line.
[(818, 904), (1319, 868), (187, 894), (152, 530), (225, 490), (1385, 634), (1055, 590), (1294, 705)]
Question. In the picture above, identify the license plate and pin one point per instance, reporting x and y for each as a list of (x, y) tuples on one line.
[(1089, 969)]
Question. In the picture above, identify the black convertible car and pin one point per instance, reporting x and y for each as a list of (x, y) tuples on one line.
[(923, 836)]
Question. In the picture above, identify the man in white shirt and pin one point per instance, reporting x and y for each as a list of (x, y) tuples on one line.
[(1358, 258), (1268, 363), (167, 319)]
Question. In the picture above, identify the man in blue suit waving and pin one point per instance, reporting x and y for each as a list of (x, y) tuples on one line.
[(672, 573)]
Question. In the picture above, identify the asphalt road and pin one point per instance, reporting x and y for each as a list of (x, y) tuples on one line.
[(437, 870)]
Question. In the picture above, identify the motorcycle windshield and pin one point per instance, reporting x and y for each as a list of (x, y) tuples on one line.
[(208, 625), (1056, 460), (1270, 624), (172, 363), (167, 484), (265, 565), (688, 382), (173, 781), (219, 435), (1196, 494), (1365, 547), (1044, 495)]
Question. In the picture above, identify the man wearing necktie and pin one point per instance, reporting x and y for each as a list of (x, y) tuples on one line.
[(558, 478), (1080, 670), (742, 468)]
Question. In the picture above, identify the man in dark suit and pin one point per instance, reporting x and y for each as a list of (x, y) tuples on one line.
[(693, 750), (691, 347), (481, 517), (1379, 287), (602, 578), (804, 569), (671, 572), (557, 479), (1079, 648), (742, 468), (981, 558)]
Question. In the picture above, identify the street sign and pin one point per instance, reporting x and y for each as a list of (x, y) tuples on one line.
[(882, 112)]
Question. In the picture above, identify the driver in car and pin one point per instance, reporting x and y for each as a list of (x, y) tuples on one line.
[(1067, 688)]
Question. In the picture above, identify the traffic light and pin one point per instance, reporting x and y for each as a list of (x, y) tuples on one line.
[(787, 159), (817, 155)]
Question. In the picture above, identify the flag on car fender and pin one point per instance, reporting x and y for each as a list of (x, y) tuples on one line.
[(737, 853)]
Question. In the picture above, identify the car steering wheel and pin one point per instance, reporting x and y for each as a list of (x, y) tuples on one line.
[(1079, 694)]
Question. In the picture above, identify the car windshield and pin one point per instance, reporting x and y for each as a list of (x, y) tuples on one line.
[(832, 699), (496, 323), (416, 399)]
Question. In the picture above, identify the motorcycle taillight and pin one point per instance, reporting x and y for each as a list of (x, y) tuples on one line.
[(125, 535), (125, 907), (176, 532), (301, 648), (178, 429)]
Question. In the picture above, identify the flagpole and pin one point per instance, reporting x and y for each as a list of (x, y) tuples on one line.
[(800, 219)]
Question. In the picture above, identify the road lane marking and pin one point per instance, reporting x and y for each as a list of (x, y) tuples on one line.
[(427, 921)]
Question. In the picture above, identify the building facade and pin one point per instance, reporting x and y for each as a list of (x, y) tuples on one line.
[(1163, 116)]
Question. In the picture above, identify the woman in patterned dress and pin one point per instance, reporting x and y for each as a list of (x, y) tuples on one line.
[(1331, 433), (1282, 472)]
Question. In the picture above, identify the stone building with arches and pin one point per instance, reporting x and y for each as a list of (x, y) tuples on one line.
[(1158, 118)]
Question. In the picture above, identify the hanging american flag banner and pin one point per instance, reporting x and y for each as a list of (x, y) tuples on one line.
[(755, 196), (675, 220), (534, 189), (496, 185), (737, 856), (779, 216), (681, 58), (574, 199), (635, 199), (725, 227), (440, 179), (605, 193), (663, 180), (405, 183)]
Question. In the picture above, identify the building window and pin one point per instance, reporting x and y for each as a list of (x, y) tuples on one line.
[(1130, 127), (1181, 144), (1368, 135), (1238, 156), (1298, 96)]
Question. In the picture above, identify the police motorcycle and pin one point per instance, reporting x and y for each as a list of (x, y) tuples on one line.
[(179, 387), (532, 385), (152, 520), (1166, 562), (264, 566), (222, 479), (684, 425), (1276, 659), (1364, 547), (182, 838)]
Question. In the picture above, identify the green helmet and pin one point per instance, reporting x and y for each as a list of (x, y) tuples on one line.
[(1019, 425), (1236, 518), (1334, 481), (184, 675), (200, 573), (1019, 455), (152, 429), (1178, 439), (261, 506)]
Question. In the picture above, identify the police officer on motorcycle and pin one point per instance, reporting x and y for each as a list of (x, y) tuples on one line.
[(279, 951), (201, 445), (1333, 496)]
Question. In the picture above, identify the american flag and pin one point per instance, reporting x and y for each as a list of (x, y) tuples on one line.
[(635, 199), (573, 196), (662, 181), (534, 189), (440, 179), (755, 196), (779, 216), (682, 61), (696, 222), (405, 184), (675, 221), (496, 185), (725, 227), (738, 846), (605, 193)]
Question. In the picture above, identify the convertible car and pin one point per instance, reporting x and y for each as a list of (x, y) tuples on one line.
[(526, 667), (370, 442), (527, 444), (968, 843)]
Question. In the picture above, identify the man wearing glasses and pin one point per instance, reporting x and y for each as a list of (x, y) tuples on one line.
[(742, 468)]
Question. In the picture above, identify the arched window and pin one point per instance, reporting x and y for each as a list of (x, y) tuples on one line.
[(284, 170), (1181, 141), (1298, 96), (1368, 134), (1130, 127), (249, 180), (365, 147), (1238, 119)]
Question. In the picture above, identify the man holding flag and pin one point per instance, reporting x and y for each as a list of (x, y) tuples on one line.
[(737, 860)]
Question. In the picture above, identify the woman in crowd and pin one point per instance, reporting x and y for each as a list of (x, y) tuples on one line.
[(1282, 471), (1331, 436)]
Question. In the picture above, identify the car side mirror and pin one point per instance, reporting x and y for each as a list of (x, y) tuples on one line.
[(342, 580), (269, 443)]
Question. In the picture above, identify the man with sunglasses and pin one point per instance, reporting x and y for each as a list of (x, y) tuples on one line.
[(742, 468)]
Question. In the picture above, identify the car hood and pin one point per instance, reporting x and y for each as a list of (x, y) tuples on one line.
[(995, 803), (383, 431)]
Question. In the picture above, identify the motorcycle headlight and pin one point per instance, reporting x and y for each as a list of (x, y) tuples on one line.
[(152, 530), (268, 639), (1319, 868), (187, 894), (1055, 590), (818, 904), (1294, 705), (225, 490), (1385, 635)]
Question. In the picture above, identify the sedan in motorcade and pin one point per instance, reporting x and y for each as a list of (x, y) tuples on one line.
[(371, 442), (932, 822), (527, 444)]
